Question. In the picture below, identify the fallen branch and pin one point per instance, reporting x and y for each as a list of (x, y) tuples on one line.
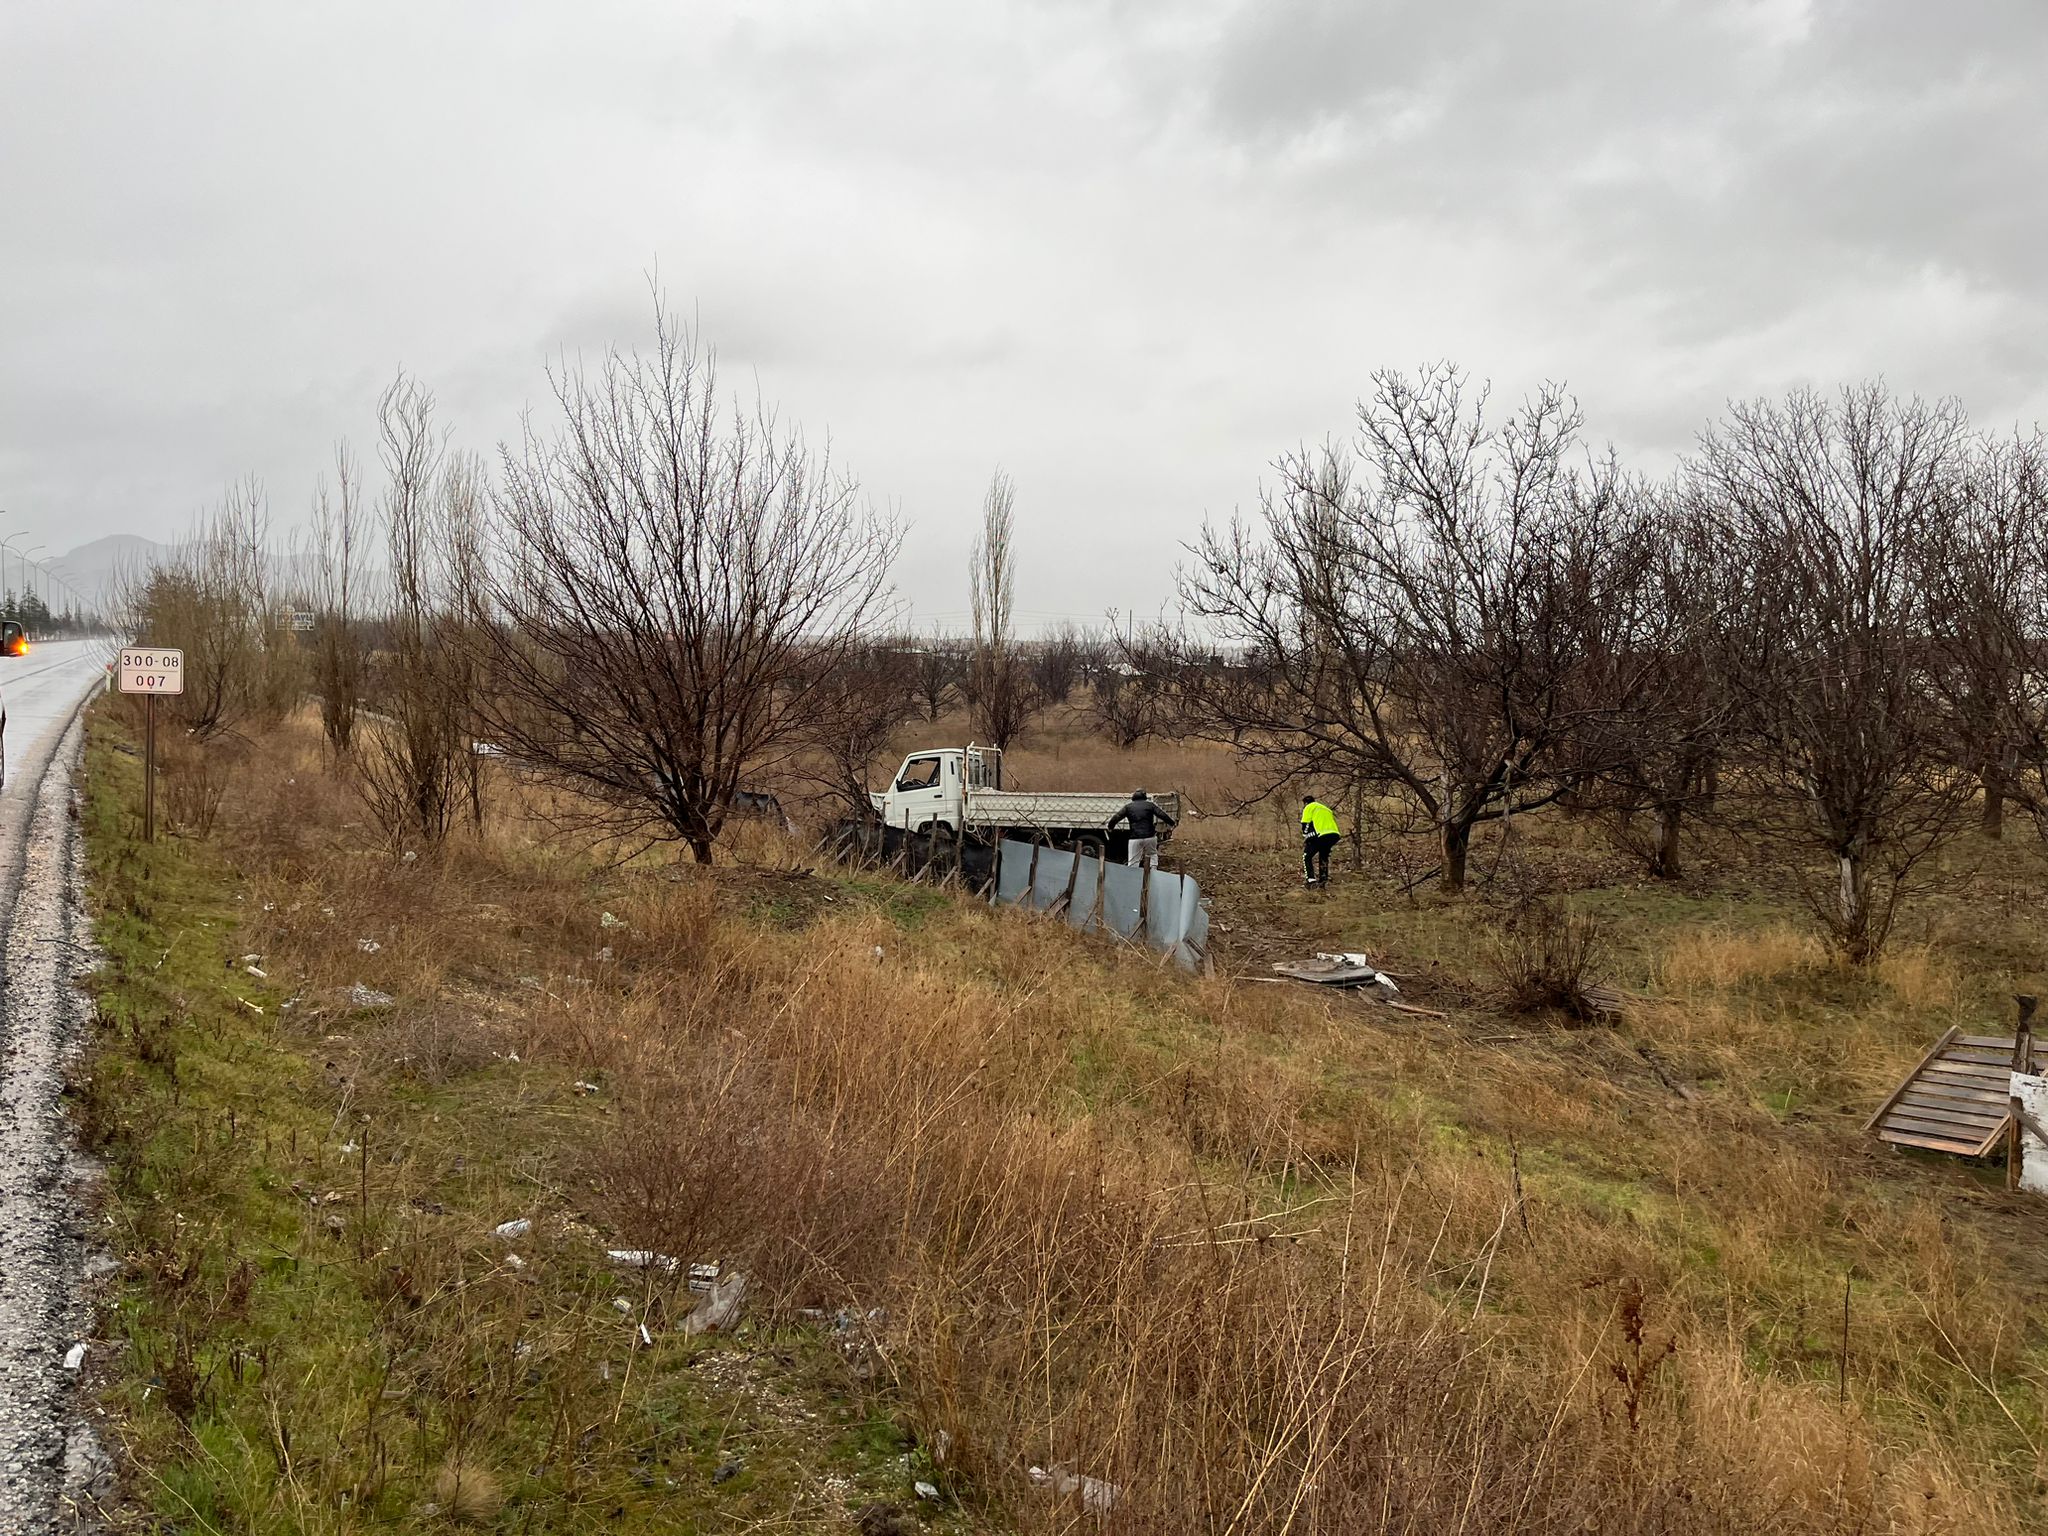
[(1690, 1095)]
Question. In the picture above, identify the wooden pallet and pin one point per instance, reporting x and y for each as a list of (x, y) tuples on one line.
[(1959, 1098)]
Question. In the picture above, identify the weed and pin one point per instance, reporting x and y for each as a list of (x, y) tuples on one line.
[(1545, 956)]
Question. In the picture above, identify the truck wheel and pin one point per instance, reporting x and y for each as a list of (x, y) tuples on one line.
[(1089, 847)]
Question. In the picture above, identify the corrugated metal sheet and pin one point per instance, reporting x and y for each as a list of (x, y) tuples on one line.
[(1161, 909)]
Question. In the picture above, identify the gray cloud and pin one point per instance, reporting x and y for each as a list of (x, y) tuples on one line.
[(1129, 252)]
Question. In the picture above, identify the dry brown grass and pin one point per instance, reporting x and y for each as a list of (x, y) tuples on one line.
[(467, 1493), (1723, 959), (1264, 1261), (1919, 977)]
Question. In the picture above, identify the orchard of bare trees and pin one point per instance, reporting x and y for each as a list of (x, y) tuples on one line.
[(1825, 633), (1827, 630)]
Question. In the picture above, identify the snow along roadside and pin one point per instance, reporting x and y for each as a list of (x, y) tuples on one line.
[(53, 1473)]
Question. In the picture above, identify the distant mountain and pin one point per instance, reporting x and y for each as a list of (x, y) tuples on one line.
[(98, 569)]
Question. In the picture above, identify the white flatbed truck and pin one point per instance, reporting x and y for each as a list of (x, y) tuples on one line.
[(956, 794)]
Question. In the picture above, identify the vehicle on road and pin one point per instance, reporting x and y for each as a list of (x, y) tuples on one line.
[(13, 639), (956, 794)]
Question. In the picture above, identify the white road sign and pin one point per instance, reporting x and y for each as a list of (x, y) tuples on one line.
[(151, 669)]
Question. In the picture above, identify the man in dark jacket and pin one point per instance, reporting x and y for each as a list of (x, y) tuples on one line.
[(1143, 816)]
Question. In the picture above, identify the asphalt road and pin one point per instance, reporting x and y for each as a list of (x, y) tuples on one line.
[(49, 1466)]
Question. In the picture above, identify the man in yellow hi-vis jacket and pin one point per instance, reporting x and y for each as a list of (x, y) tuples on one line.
[(1319, 835)]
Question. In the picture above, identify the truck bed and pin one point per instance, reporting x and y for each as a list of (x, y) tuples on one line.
[(1051, 808)]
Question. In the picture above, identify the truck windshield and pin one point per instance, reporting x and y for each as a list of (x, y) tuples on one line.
[(919, 773)]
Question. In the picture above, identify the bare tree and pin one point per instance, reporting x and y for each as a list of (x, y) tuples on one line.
[(940, 672), (1986, 607), (865, 696), (1414, 614), (338, 646), (1655, 697), (1129, 689), (211, 596), (409, 765), (1832, 505), (462, 512), (998, 684), (669, 586), (1059, 661)]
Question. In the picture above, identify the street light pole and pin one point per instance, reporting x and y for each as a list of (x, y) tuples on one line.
[(5, 545)]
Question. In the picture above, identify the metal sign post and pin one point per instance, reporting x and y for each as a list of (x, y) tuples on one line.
[(150, 671)]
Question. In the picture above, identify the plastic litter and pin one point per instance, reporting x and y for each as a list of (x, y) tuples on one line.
[(622, 1306), (74, 1358), (1062, 1482), (646, 1338), (519, 1226), (368, 946), (1341, 969), (925, 1490), (360, 996), (513, 1261), (720, 1306), (609, 921), (259, 974), (642, 1258)]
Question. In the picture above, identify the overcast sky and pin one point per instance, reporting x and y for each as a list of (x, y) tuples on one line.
[(1128, 251)]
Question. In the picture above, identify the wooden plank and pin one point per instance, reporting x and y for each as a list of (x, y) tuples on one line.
[(1976, 1058), (2003, 1043), (1949, 1064), (1928, 1143), (1975, 1074), (1948, 1125), (1892, 1098), (1960, 1088), (1937, 1125), (1968, 1109), (1942, 1125), (1963, 1086), (1950, 1108), (1946, 1082), (1956, 1141), (1961, 1114)]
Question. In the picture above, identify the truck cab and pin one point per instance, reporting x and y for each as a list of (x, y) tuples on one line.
[(929, 791)]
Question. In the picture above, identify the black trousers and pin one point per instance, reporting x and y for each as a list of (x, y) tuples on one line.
[(1315, 856)]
